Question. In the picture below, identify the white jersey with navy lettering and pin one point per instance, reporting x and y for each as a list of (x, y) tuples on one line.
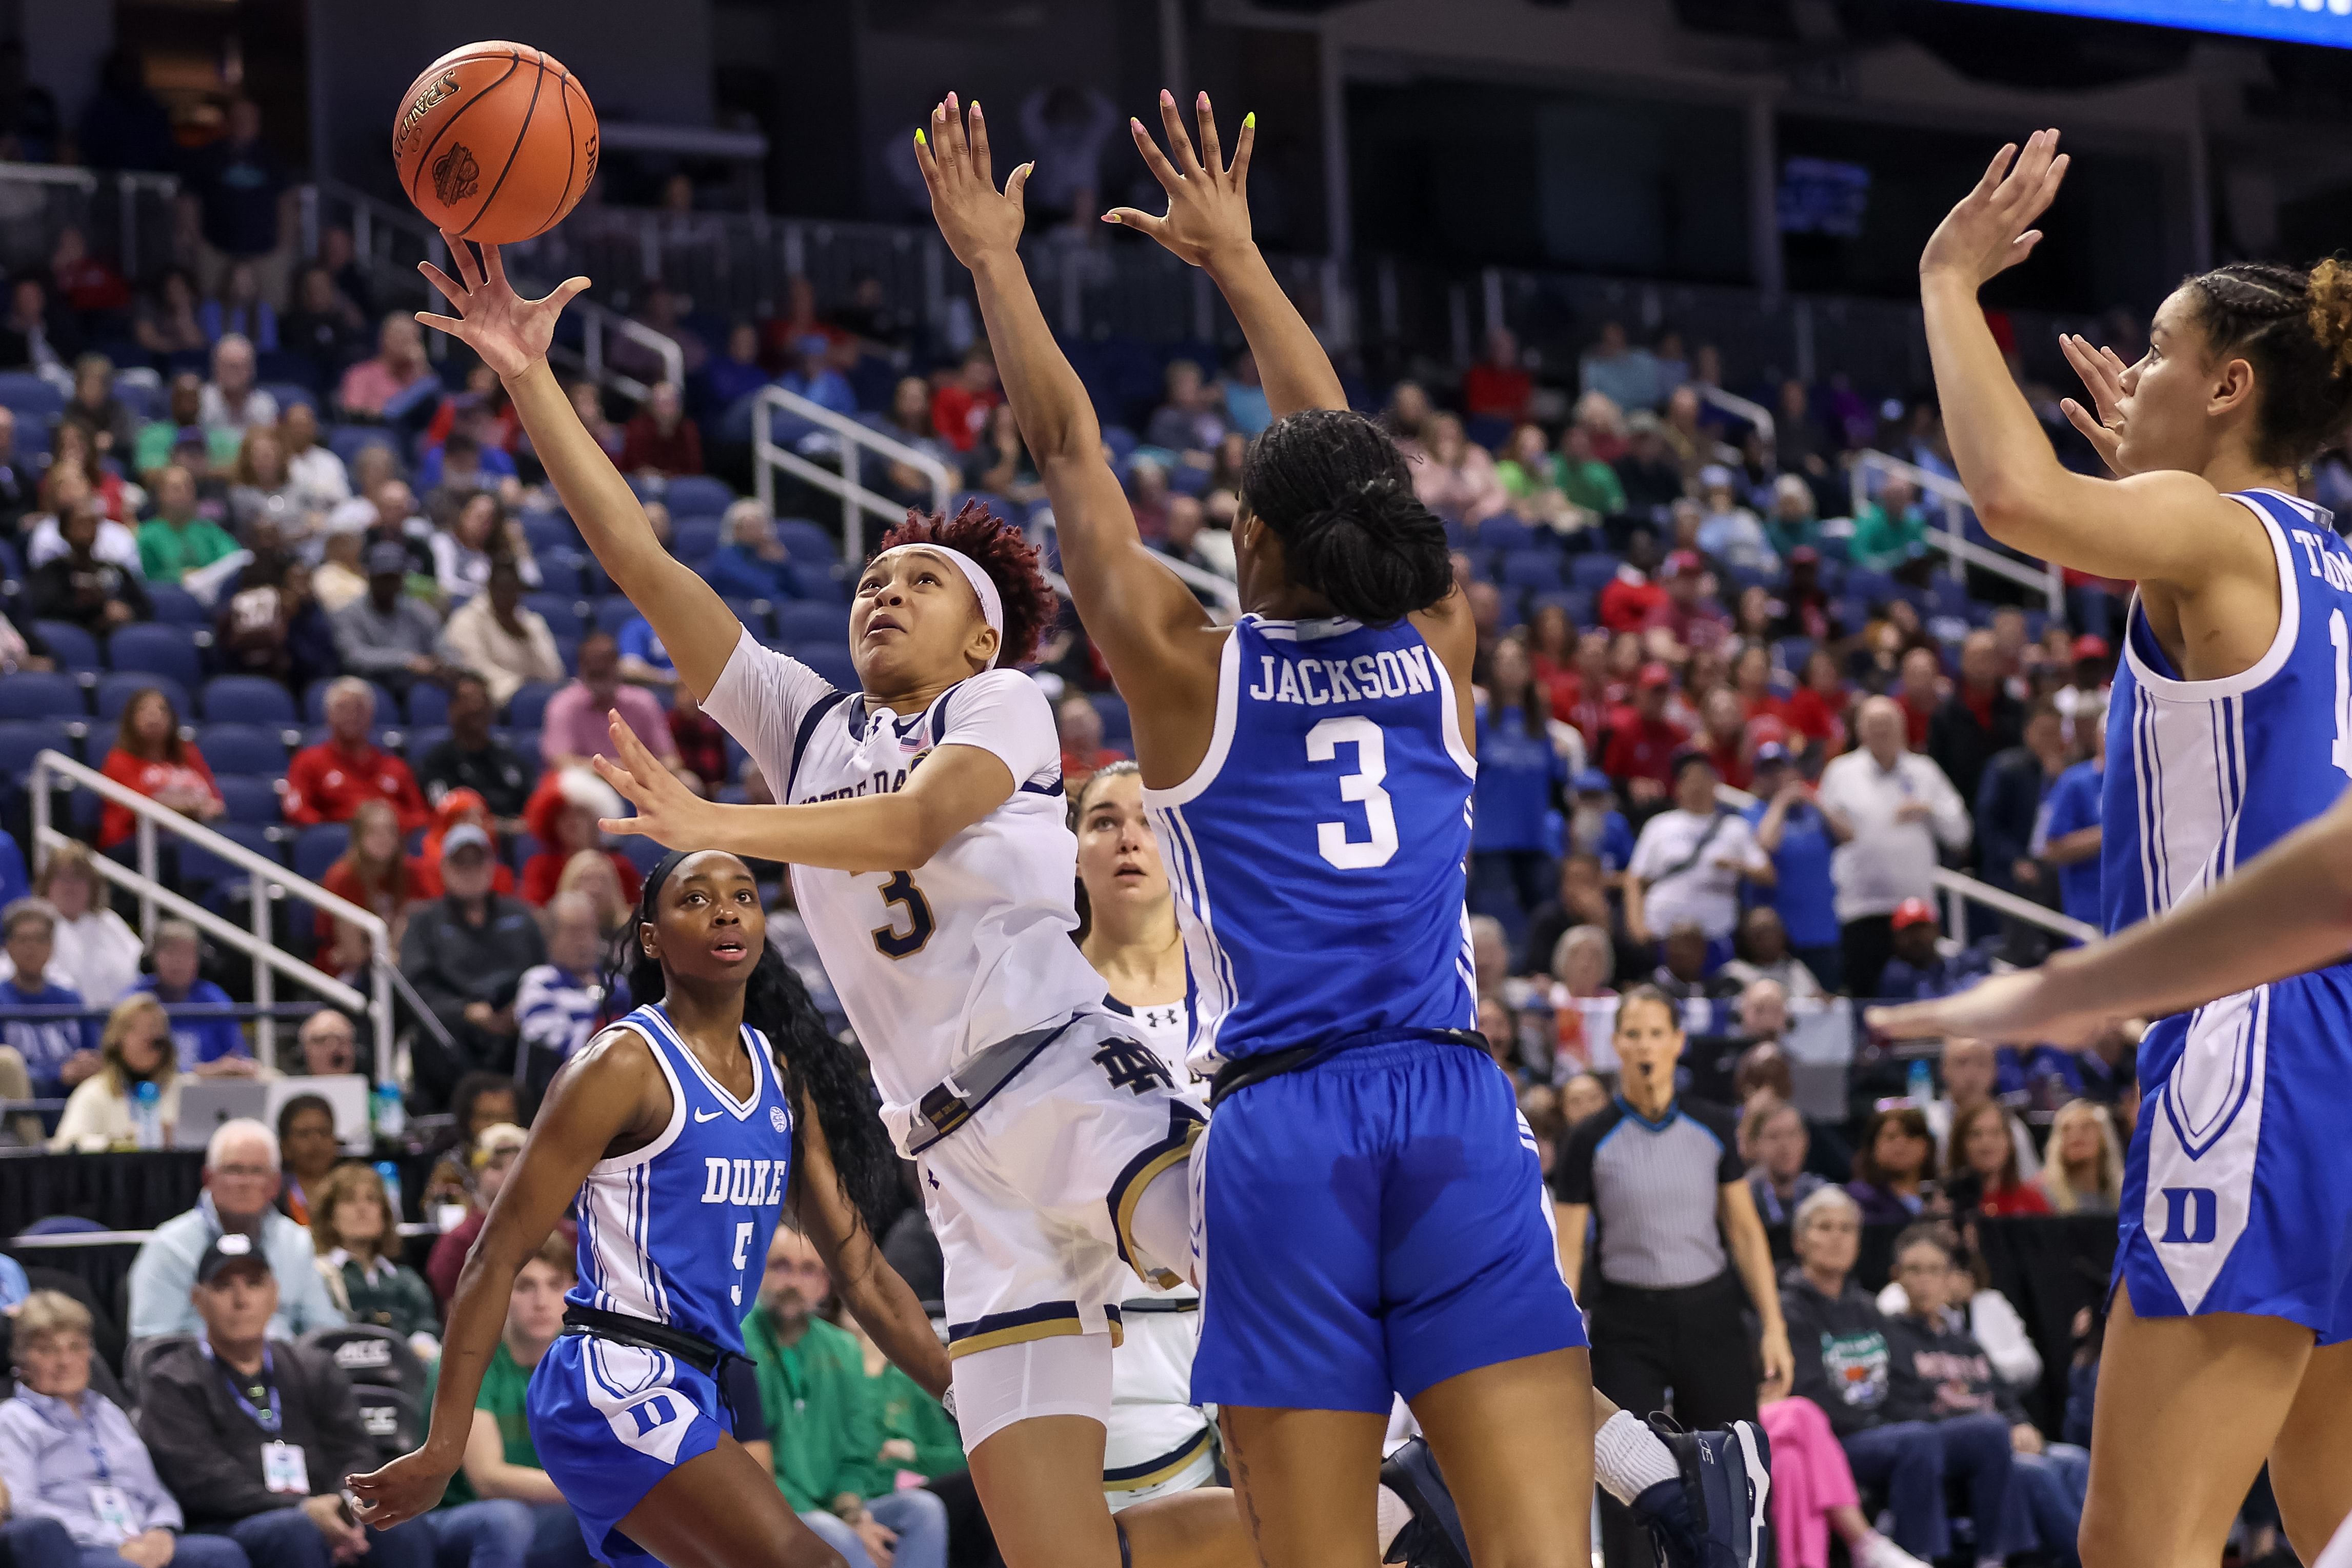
[(1167, 1029), (933, 965)]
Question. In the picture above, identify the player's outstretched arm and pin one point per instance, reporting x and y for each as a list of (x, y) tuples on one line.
[(1208, 225), (2167, 526), (1135, 608), (595, 1098), (872, 1291), (2288, 911), (955, 787), (512, 334)]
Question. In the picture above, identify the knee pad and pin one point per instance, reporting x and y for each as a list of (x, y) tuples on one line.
[(1061, 1374)]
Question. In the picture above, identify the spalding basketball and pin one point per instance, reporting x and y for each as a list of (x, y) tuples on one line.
[(495, 142)]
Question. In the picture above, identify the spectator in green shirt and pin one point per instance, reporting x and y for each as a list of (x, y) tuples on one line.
[(359, 1244), (183, 411), (176, 541), (824, 1422), (500, 1465), (918, 1434), (1887, 532), (1584, 479), (1792, 523)]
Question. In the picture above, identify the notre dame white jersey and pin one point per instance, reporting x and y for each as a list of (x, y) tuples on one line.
[(1166, 1028), (932, 964)]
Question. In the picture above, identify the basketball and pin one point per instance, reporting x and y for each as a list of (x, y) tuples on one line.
[(495, 142)]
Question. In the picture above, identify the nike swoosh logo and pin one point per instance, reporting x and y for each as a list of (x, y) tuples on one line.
[(708, 1115)]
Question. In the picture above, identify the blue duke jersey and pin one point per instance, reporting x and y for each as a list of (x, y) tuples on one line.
[(1317, 853), (677, 1231), (2236, 1199)]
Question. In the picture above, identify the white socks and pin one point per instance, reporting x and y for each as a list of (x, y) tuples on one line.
[(1875, 1551), (1628, 1460), (1391, 1516)]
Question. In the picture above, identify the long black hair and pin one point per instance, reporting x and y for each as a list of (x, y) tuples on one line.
[(1338, 495), (816, 1071)]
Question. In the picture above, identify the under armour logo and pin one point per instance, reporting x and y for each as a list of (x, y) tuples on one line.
[(1133, 1067)]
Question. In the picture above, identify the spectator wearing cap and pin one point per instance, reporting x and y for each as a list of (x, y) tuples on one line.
[(2094, 671), (1642, 741), (1918, 968), (465, 953), (1979, 718), (1595, 826), (256, 1433), (241, 1179), (384, 634), (814, 377), (1802, 841), (2068, 834), (2010, 798), (70, 1455), (326, 782), (1896, 808), (1689, 862)]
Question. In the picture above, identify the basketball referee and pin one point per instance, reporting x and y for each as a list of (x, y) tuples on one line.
[(1663, 1179)]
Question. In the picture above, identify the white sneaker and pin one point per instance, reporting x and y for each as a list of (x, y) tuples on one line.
[(1878, 1552)]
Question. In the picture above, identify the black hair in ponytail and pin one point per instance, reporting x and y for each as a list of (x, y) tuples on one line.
[(816, 1071), (1338, 495)]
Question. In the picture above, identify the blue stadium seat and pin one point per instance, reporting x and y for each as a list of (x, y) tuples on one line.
[(809, 543), (818, 583), (1790, 653), (288, 393), (756, 616), (141, 393), (32, 398), (70, 645), (115, 691), (314, 703), (1591, 572), (829, 660), (424, 737), (32, 443), (21, 739), (175, 606), (529, 704), (1122, 442), (156, 650), (642, 852), (348, 441), (427, 705), (200, 866), (694, 539), (256, 749), (614, 613), (1506, 533), (1530, 568), (549, 530), (561, 611), (806, 620), (248, 699), (996, 505), (562, 569), (249, 799), (1186, 479), (1117, 731), (697, 496), (317, 848)]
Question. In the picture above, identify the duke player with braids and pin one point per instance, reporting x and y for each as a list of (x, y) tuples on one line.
[(684, 1130), (2230, 727), (1369, 1218)]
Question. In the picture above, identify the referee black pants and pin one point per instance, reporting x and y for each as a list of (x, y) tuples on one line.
[(1693, 1341)]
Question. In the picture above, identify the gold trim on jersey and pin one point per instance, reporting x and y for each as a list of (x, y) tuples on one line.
[(1185, 1126), (1045, 1321)]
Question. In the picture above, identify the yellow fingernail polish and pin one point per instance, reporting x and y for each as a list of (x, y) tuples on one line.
[(920, 139), (1249, 121)]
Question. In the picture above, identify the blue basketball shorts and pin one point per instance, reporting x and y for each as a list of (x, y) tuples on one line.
[(610, 1421), (1372, 1224), (2238, 1190)]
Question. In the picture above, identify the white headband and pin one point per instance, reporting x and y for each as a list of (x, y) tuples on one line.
[(983, 588)]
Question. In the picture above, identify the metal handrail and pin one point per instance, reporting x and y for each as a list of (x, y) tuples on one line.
[(268, 878), (855, 499), (1952, 538), (1757, 416)]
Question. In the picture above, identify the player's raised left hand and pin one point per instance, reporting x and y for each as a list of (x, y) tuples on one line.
[(1992, 229), (667, 812), (1208, 198), (975, 218), (510, 333)]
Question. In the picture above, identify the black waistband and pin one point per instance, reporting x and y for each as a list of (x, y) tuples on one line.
[(1665, 1295), (1239, 1074), (690, 1348)]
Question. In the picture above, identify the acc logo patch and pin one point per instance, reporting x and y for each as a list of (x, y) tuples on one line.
[(456, 175), (778, 1120)]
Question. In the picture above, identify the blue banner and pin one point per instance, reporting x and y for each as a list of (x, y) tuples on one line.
[(2328, 22)]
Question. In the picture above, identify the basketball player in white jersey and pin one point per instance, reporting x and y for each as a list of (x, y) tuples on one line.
[(2229, 1340)]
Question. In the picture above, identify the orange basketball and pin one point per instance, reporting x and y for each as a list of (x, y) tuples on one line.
[(495, 141)]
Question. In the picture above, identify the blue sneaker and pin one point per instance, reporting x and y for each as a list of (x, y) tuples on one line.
[(1435, 1538), (1713, 1517)]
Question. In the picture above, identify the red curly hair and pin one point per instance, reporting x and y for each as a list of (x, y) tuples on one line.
[(1010, 562)]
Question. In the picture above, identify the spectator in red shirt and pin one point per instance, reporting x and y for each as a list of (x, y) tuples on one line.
[(327, 783), (373, 873), (1643, 740), (1083, 752), (83, 281), (1631, 601), (562, 815), (1498, 386), (1751, 676), (1724, 736), (1691, 613), (1980, 1155), (149, 757), (1818, 710), (702, 744), (661, 440), (959, 408), (1980, 718), (1920, 689)]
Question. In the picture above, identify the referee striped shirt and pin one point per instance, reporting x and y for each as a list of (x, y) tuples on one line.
[(1652, 1187)]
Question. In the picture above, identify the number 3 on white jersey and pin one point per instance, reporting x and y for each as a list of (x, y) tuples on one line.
[(1363, 786)]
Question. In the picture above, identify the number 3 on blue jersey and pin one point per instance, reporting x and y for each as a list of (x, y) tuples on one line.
[(1361, 787)]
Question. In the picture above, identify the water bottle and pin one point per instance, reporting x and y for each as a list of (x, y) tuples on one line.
[(391, 1174), (1922, 1084), (386, 1111), (146, 1115)]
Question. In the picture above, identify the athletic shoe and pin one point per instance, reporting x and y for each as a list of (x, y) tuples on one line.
[(1434, 1539), (1880, 1553), (1713, 1517)]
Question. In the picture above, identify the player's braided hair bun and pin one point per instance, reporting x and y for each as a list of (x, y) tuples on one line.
[(2295, 329), (1338, 492)]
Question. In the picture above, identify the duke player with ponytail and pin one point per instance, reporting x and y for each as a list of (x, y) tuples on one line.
[(2230, 1338), (684, 1129)]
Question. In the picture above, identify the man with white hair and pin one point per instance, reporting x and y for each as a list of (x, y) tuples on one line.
[(241, 1177), (750, 561), (1894, 807), (231, 399), (327, 783)]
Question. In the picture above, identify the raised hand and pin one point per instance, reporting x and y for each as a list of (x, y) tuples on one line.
[(1207, 199), (2102, 371), (667, 812), (2019, 1008), (510, 333), (1992, 229), (975, 218)]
